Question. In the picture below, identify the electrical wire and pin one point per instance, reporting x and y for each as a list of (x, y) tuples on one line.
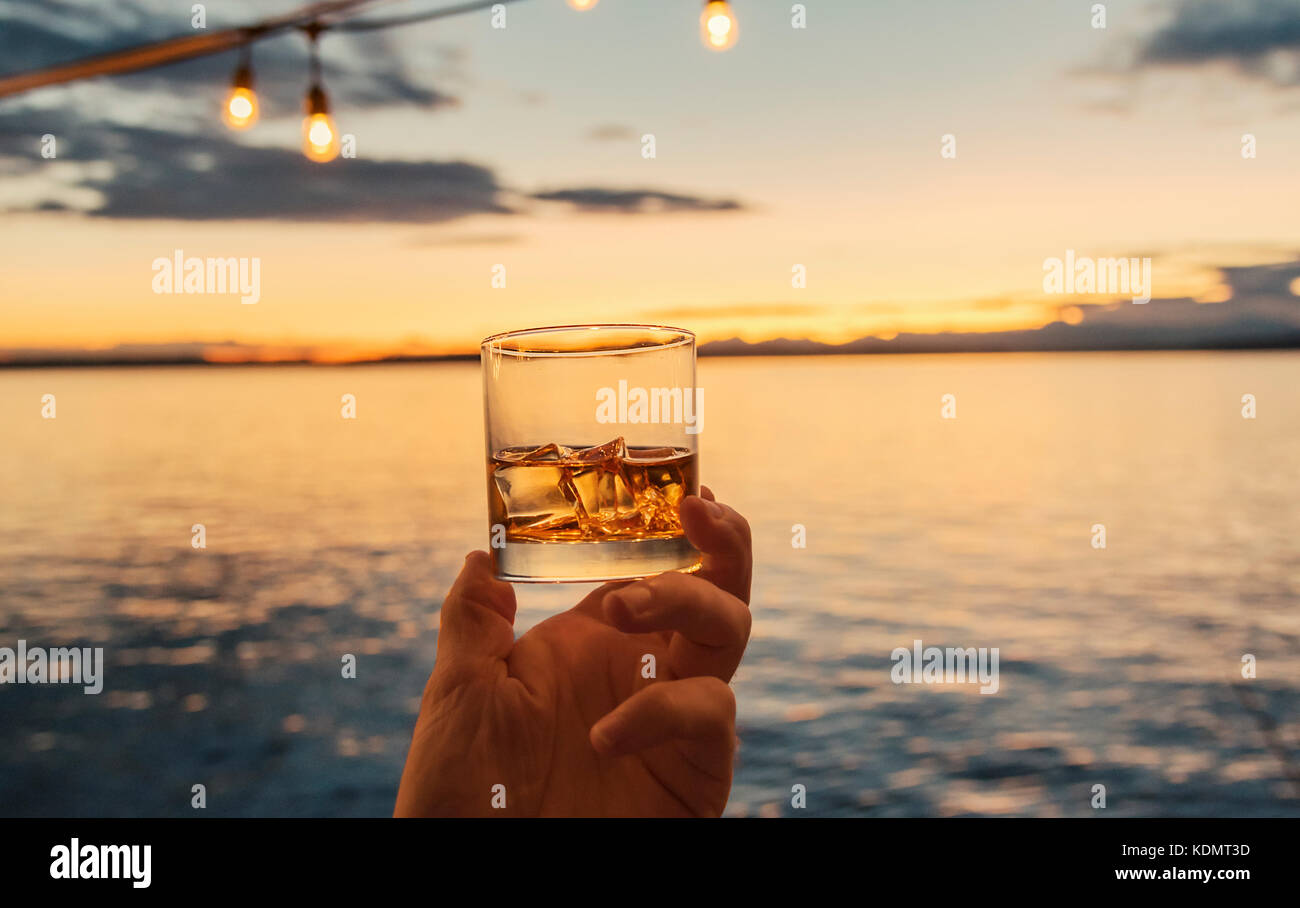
[(365, 25), (313, 17)]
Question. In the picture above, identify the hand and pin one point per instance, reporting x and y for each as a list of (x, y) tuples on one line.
[(563, 718)]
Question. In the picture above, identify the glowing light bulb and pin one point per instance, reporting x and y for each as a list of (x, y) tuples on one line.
[(718, 25), (320, 138), (582, 4), (240, 109)]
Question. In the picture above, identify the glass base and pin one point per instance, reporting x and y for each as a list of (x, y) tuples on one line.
[(593, 562)]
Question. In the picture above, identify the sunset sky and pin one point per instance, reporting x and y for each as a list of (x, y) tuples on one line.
[(478, 147)]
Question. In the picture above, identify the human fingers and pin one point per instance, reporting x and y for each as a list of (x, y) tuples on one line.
[(698, 712), (710, 626), (476, 624), (723, 536)]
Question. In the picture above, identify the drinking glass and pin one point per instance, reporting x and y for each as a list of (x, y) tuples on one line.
[(592, 443)]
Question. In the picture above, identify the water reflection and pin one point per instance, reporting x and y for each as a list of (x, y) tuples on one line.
[(328, 537)]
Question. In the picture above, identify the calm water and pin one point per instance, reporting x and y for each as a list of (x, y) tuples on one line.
[(328, 536)]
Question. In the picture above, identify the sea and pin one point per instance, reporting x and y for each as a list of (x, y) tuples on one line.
[(1121, 527)]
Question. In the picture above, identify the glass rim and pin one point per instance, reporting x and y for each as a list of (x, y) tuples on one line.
[(675, 337)]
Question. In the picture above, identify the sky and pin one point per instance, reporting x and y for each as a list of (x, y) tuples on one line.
[(519, 151)]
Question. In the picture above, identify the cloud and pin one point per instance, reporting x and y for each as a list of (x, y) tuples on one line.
[(108, 170), (154, 173), (146, 146), (1272, 280), (468, 240), (1260, 310), (634, 201), (734, 311), (612, 132), (1245, 33), (737, 311)]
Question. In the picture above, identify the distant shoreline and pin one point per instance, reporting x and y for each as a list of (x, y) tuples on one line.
[(729, 352)]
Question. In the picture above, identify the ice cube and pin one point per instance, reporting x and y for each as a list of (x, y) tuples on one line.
[(543, 454), (557, 493), (654, 454), (534, 495), (610, 450), (605, 503)]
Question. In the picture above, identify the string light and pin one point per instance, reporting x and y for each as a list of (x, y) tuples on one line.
[(240, 110), (718, 25), (320, 137)]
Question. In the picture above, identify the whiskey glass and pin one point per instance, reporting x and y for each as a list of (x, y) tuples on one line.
[(592, 443)]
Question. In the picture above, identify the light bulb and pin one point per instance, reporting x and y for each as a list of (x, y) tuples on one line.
[(240, 109), (320, 138), (718, 25), (582, 4)]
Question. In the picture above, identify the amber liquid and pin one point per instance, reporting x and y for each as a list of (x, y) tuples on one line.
[(560, 494), (615, 507)]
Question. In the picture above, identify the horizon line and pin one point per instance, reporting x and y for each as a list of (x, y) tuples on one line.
[(752, 352)]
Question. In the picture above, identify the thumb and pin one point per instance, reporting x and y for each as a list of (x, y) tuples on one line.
[(476, 624)]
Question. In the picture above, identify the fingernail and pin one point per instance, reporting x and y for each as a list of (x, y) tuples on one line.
[(634, 598)]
